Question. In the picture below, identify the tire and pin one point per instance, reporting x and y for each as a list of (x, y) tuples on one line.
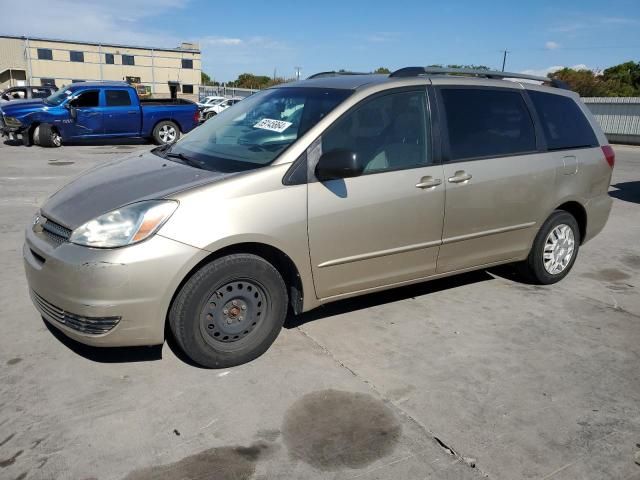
[(48, 136), (166, 132), (209, 115), (36, 135), (215, 332), (533, 269)]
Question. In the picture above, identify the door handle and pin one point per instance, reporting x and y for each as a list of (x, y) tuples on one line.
[(132, 113), (460, 177), (428, 182)]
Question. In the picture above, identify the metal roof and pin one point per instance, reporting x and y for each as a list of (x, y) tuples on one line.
[(98, 44)]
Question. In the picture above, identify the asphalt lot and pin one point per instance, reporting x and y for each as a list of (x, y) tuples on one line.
[(464, 378)]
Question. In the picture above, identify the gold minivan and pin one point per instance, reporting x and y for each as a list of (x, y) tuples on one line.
[(315, 191)]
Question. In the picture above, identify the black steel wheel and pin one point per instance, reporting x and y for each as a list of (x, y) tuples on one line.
[(230, 311), (233, 311)]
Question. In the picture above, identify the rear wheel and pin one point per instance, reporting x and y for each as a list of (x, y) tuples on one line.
[(554, 250), (48, 136), (230, 311), (166, 132)]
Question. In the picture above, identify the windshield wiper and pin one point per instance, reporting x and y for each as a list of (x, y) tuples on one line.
[(184, 159)]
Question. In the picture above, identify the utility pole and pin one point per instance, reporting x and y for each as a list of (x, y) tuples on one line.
[(297, 69), (504, 58)]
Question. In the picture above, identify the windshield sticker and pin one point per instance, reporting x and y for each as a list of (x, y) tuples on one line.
[(273, 125)]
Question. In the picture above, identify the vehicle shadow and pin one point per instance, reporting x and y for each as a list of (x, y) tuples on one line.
[(626, 191), (12, 143), (387, 296), (109, 142), (107, 354)]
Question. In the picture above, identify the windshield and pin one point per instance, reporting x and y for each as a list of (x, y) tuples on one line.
[(58, 97), (253, 132)]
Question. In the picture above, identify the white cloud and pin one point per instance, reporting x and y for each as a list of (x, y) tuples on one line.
[(113, 21), (551, 45), (543, 72), (214, 41), (225, 58), (381, 37)]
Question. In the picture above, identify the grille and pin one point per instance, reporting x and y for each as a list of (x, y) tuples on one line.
[(90, 325), (55, 232)]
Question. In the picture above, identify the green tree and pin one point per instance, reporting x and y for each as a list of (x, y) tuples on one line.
[(585, 82), (621, 80), (205, 79), (382, 70)]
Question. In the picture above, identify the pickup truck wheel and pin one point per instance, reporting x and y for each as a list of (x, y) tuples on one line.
[(36, 135), (230, 311), (48, 136), (166, 132)]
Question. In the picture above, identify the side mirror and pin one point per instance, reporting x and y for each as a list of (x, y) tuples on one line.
[(73, 113), (338, 163)]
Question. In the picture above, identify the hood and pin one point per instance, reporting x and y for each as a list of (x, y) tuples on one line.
[(131, 179), (15, 108)]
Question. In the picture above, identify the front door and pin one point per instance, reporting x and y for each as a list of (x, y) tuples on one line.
[(383, 227), (86, 115), (121, 113), (498, 184)]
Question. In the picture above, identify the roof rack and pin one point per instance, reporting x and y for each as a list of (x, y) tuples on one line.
[(415, 71), (334, 74)]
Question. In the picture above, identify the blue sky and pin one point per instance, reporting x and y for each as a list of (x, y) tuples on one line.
[(260, 36)]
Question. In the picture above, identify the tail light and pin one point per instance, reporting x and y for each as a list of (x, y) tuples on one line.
[(196, 117), (609, 155)]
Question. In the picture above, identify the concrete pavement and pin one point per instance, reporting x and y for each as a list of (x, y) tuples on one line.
[(463, 378)]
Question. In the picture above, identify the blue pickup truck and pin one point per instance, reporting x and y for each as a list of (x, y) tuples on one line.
[(96, 110)]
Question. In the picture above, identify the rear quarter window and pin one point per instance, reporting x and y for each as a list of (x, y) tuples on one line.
[(487, 123), (563, 122)]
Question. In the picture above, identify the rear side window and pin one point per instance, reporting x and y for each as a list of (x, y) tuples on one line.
[(40, 92), (117, 98), (487, 123), (564, 124)]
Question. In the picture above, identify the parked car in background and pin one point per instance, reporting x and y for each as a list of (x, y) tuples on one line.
[(315, 191), (26, 93), (210, 101), (94, 110), (210, 112)]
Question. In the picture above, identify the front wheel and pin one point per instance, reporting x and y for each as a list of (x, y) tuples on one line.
[(230, 311), (166, 132), (554, 250), (48, 136), (209, 115)]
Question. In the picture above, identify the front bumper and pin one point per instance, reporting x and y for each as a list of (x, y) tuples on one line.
[(107, 297)]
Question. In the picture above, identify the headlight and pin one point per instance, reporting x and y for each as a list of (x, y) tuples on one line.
[(124, 226), (12, 122)]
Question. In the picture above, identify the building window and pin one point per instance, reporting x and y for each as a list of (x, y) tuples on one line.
[(128, 60), (187, 88), (45, 54), (76, 56), (109, 59), (48, 82), (187, 63), (132, 79)]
